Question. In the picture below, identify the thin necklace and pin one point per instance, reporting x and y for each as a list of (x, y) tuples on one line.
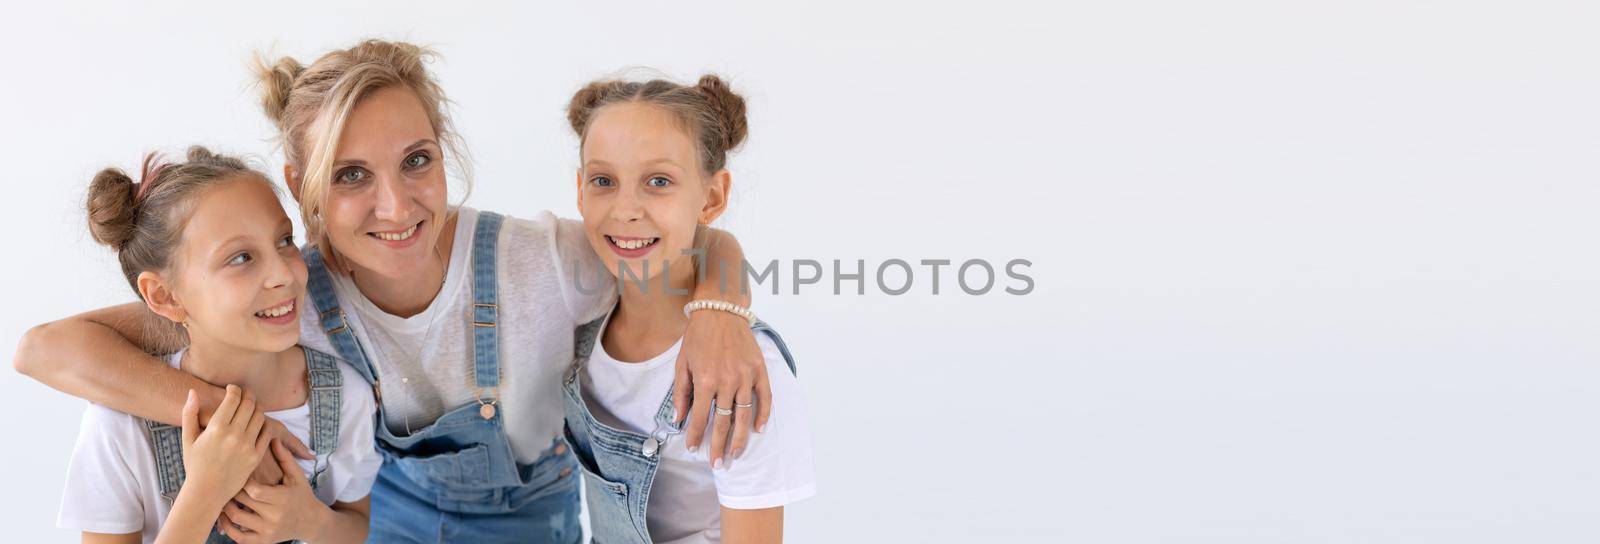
[(405, 377)]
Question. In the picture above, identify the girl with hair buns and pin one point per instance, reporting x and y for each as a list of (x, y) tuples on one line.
[(462, 320), (206, 245), (652, 174)]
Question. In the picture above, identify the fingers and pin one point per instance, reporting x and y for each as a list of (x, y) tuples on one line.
[(236, 515), (680, 390), (257, 421), (743, 412), (763, 399), (721, 427), (291, 467), (244, 499), (246, 411), (230, 404), (289, 440), (701, 409), (261, 493), (238, 535), (263, 441), (191, 420)]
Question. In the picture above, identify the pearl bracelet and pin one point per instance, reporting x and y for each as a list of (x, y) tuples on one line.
[(735, 309)]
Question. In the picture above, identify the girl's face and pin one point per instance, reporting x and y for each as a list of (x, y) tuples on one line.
[(386, 203), (641, 190), (239, 276)]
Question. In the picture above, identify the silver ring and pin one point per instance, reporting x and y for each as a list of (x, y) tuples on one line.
[(748, 405), (723, 411)]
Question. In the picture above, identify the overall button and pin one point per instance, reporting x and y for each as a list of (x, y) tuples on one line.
[(565, 472), (560, 449)]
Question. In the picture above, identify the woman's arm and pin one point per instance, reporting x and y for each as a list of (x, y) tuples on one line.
[(97, 356), (102, 538), (720, 359), (752, 526)]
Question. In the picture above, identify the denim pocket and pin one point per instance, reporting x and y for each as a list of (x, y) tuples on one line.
[(467, 467)]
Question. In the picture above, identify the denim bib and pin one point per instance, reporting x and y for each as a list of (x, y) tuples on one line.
[(457, 480), (322, 370), (619, 466)]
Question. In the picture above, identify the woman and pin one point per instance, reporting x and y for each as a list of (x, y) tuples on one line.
[(462, 320)]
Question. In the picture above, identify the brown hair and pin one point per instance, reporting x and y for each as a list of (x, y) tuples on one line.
[(310, 104), (713, 113), (144, 221)]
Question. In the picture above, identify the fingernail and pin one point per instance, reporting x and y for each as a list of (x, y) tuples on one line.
[(738, 453), (693, 448), (718, 464), (762, 428)]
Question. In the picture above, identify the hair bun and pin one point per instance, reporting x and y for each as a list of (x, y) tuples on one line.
[(729, 107), (276, 80), (112, 208)]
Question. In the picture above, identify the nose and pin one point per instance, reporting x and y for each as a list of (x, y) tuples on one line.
[(279, 271), (394, 200), (626, 207)]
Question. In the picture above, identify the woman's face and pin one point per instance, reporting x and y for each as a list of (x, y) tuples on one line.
[(641, 190), (239, 276), (386, 204)]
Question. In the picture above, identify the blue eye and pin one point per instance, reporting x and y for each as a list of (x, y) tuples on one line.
[(418, 160), (658, 181), (601, 181), (239, 259), (352, 175)]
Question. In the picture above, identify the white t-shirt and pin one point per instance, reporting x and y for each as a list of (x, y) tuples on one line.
[(425, 362), (775, 469), (112, 486)]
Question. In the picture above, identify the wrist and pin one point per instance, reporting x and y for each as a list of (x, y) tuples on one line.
[(720, 307), (322, 520)]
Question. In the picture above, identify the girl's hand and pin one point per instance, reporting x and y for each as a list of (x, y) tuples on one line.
[(217, 460), (721, 365), (268, 513)]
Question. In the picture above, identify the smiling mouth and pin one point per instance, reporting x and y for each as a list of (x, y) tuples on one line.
[(397, 235), (632, 243), (277, 311)]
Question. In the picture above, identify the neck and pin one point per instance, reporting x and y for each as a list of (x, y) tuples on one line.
[(220, 364), (649, 318), (411, 294)]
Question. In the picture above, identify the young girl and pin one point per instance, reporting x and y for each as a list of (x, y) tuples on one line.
[(651, 176), (206, 245)]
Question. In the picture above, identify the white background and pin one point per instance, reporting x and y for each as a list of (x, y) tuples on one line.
[(1305, 272)]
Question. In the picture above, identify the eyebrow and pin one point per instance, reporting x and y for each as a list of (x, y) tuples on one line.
[(413, 147), (597, 162), (286, 224)]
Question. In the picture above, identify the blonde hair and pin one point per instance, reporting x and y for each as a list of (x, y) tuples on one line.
[(310, 106), (713, 113)]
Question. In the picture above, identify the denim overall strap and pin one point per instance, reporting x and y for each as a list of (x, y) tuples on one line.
[(166, 441), (485, 300), (326, 401), (319, 284), (762, 326)]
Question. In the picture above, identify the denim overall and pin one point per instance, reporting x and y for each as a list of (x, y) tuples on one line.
[(322, 370), (457, 479), (620, 466)]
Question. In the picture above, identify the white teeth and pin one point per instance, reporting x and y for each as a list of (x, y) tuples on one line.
[(392, 237), (276, 312), (633, 244)]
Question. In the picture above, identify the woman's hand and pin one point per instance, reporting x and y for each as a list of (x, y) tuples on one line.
[(720, 365), (275, 513), (217, 460)]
